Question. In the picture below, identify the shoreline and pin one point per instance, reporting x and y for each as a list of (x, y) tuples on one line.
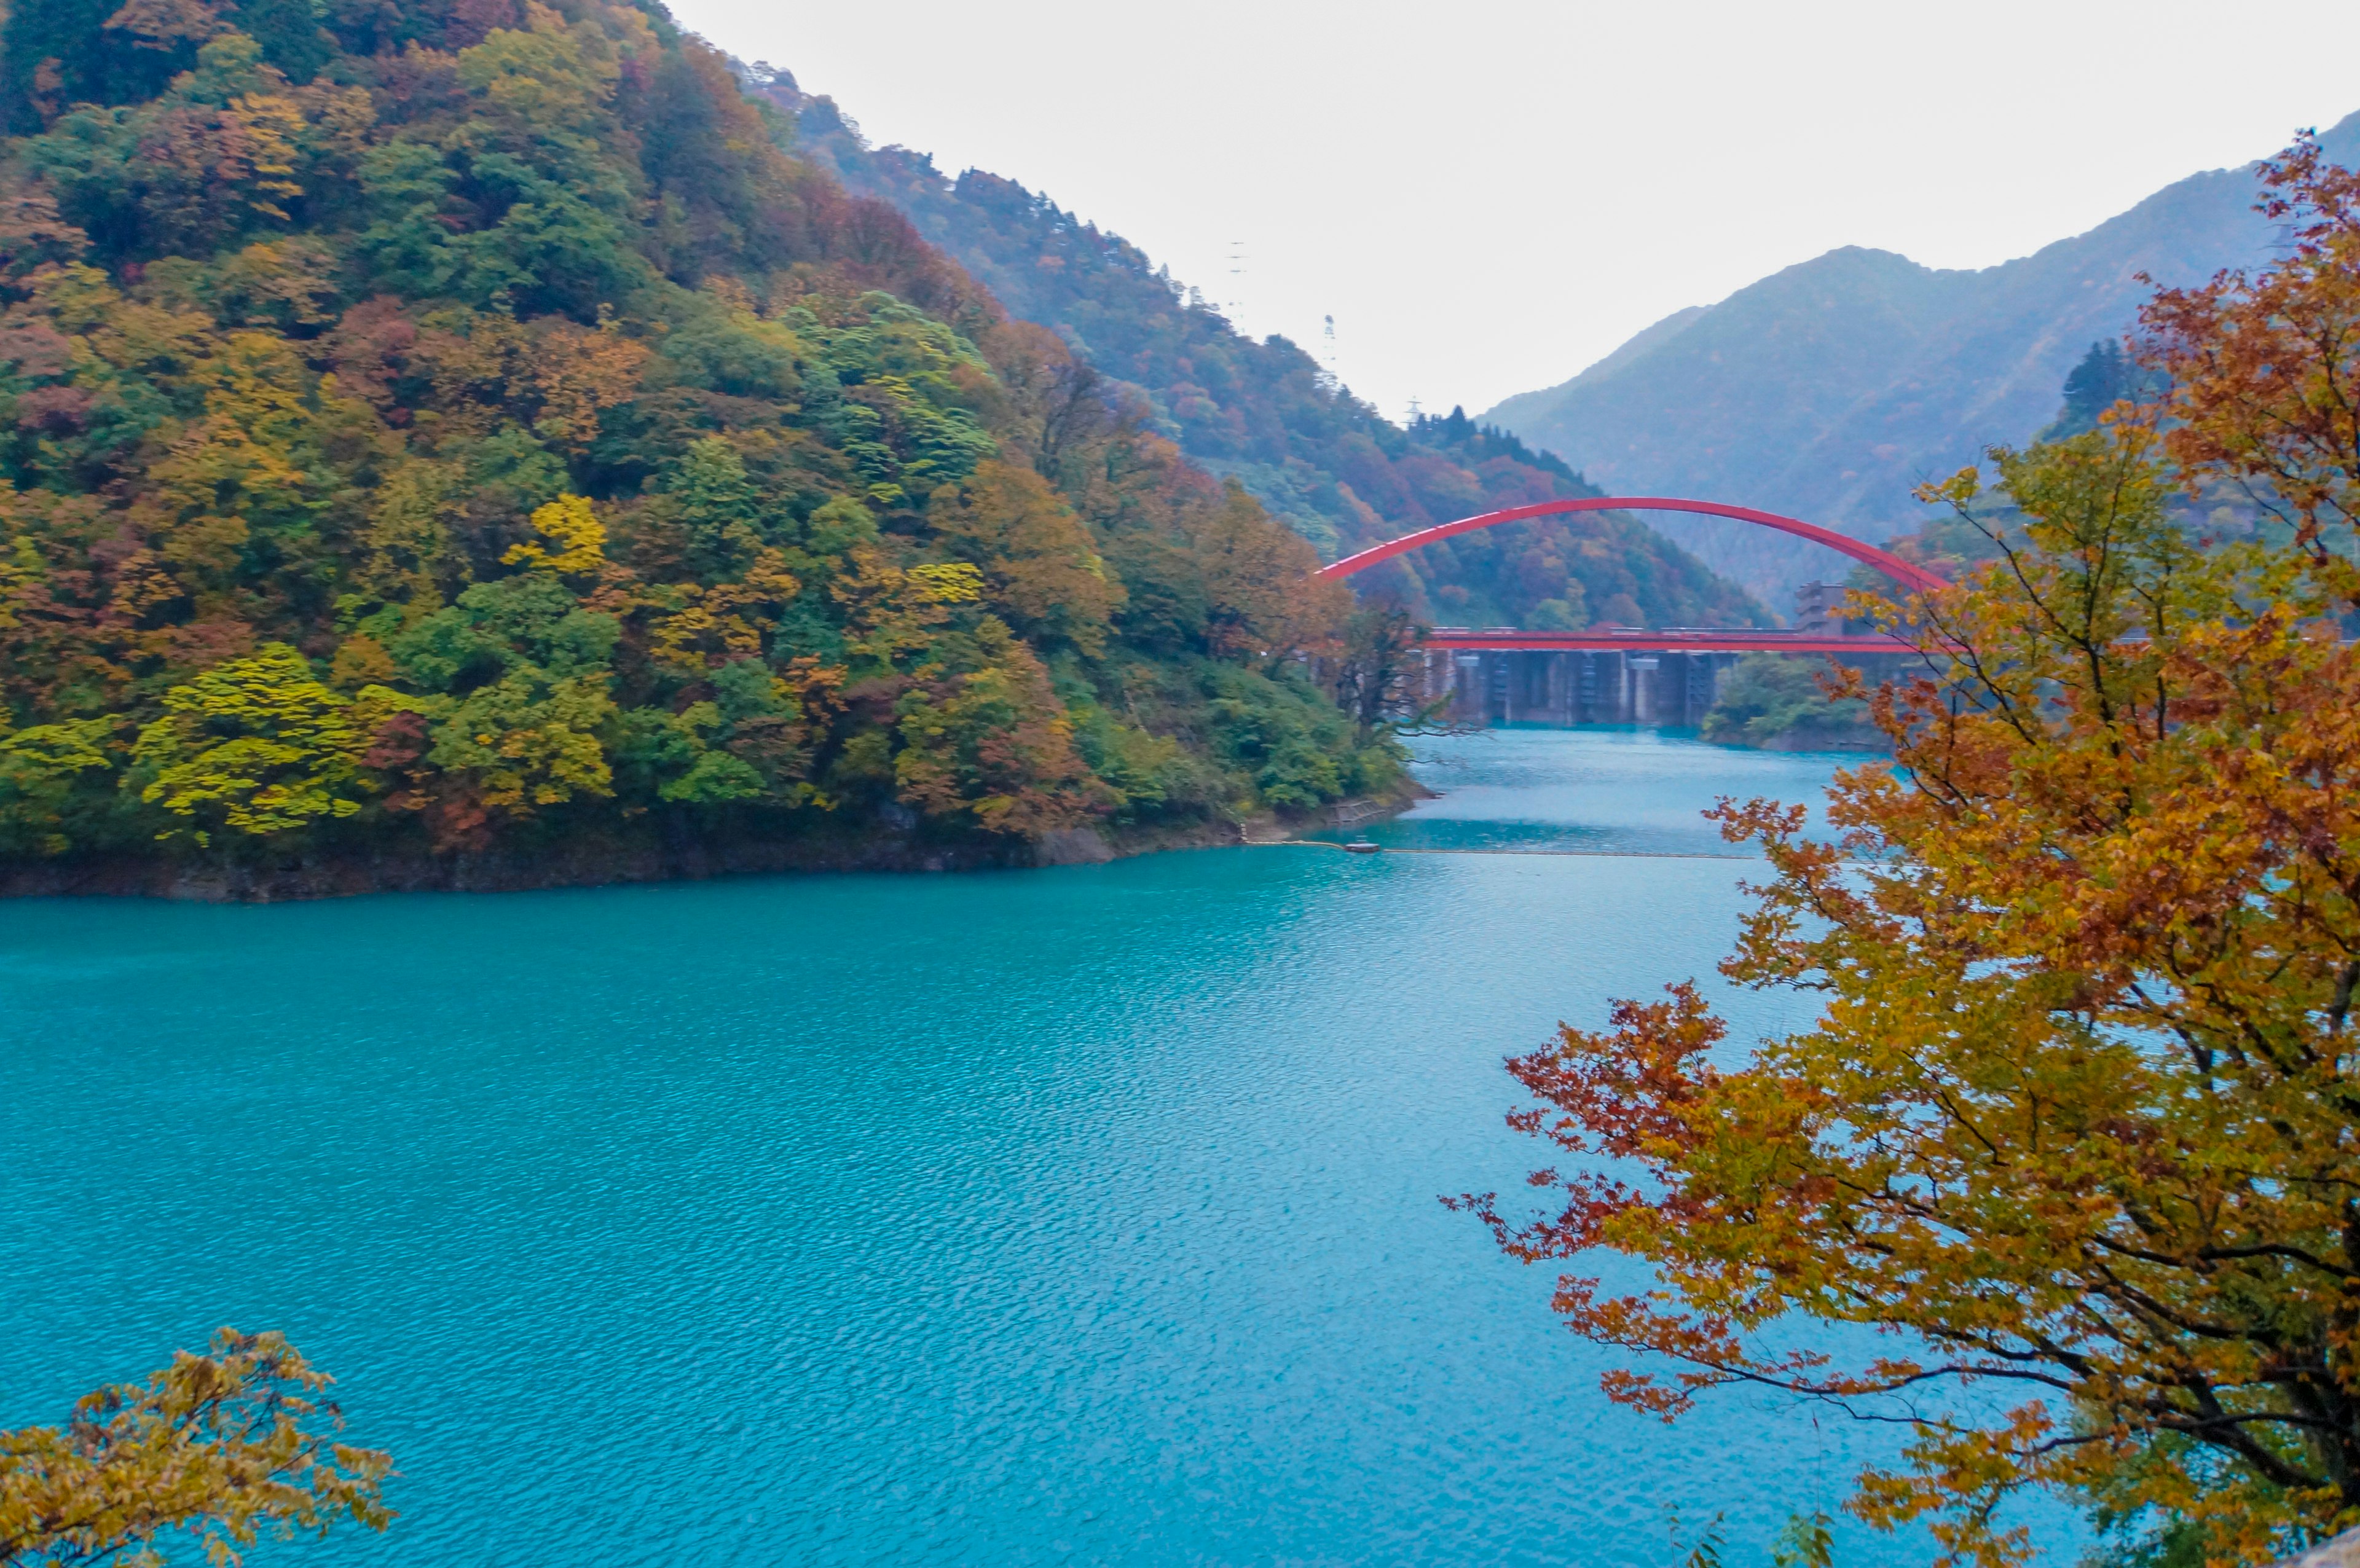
[(598, 861)]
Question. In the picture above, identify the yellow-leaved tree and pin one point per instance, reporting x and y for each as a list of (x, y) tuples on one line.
[(577, 540), (222, 1447), (255, 746)]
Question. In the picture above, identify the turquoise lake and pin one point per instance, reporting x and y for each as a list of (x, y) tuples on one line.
[(1082, 1215)]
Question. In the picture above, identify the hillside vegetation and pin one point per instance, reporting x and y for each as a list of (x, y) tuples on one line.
[(1831, 390), (1265, 414), (462, 433)]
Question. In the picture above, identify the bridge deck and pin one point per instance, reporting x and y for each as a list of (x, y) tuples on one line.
[(1671, 639)]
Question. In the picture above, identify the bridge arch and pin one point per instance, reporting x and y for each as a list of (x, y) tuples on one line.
[(1916, 579)]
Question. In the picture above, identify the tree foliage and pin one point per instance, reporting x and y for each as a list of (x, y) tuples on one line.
[(2075, 1126), (255, 746), (222, 1446), (2266, 370), (1380, 674), (455, 426), (2106, 375), (1777, 699)]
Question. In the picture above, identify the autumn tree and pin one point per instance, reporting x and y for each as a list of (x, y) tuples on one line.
[(2075, 1126), (223, 1447), (1379, 672), (38, 767), (1043, 570), (992, 743), (2075, 1121), (1265, 602), (2266, 370)]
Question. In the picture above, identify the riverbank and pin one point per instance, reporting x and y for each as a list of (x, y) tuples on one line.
[(1810, 737), (603, 859)]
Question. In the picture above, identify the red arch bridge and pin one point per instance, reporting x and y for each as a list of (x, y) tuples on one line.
[(1615, 674)]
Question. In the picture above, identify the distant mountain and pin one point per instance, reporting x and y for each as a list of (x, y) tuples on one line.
[(1829, 389), (1266, 414)]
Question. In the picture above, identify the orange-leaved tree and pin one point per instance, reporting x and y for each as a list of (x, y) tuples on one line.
[(2077, 1127), (221, 1445), (2266, 370)]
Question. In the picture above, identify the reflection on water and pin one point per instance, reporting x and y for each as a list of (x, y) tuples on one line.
[(1596, 791)]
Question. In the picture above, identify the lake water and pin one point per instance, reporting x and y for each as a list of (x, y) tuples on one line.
[(1078, 1217)]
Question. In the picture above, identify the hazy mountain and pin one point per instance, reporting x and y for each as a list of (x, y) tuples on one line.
[(1829, 389), (1266, 414)]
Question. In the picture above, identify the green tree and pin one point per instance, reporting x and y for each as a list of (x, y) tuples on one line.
[(526, 741), (551, 201), (721, 508), (2104, 377), (255, 746), (38, 770), (1769, 698)]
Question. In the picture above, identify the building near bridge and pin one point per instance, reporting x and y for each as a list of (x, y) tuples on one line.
[(1819, 607)]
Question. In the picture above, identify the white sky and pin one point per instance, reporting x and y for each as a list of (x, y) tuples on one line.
[(1488, 197)]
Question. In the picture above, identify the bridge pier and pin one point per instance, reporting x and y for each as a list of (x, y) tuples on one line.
[(1641, 686), (1531, 679), (1687, 685), (1644, 667), (1437, 676), (1589, 686), (1467, 688)]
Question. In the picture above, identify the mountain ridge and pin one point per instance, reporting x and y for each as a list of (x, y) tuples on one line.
[(1831, 387)]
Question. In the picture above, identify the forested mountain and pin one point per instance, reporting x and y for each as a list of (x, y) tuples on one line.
[(446, 439), (1831, 390), (1265, 413)]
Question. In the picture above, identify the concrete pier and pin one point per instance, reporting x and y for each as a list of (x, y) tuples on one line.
[(1543, 686)]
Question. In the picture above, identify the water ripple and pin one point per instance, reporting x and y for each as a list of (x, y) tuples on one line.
[(1083, 1215)]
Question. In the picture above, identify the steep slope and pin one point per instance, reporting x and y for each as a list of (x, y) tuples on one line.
[(1829, 389), (457, 442), (1265, 414)]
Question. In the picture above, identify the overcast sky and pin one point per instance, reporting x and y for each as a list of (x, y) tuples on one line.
[(1488, 197)]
